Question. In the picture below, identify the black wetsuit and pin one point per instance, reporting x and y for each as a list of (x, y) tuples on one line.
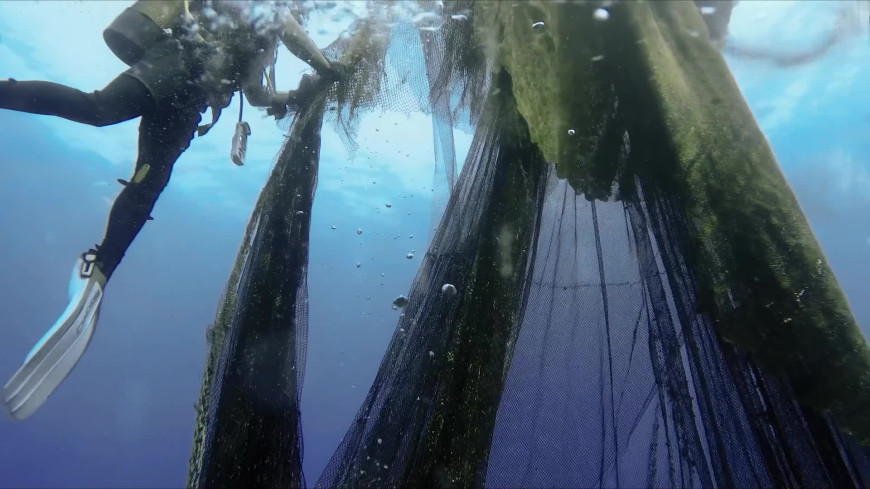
[(162, 90)]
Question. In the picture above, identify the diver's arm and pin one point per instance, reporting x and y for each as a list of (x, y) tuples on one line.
[(278, 103), (260, 96), (298, 42)]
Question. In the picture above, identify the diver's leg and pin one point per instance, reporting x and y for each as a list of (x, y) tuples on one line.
[(124, 98), (163, 137)]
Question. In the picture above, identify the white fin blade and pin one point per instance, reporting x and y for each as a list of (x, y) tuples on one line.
[(54, 357)]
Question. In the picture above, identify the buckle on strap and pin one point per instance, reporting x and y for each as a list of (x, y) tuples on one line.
[(89, 264)]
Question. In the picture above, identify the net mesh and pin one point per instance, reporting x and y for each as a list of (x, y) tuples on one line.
[(415, 57), (431, 409), (618, 381), (559, 332), (248, 428)]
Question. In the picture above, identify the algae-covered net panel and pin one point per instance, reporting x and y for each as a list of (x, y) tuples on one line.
[(429, 415), (617, 381), (622, 290), (248, 422)]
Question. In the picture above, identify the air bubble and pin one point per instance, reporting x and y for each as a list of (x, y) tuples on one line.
[(389, 205), (359, 231), (601, 14), (448, 289), (708, 10), (538, 25), (431, 354), (571, 132), (409, 256), (598, 58)]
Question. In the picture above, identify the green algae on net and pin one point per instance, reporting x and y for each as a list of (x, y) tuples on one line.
[(587, 86), (247, 426), (646, 71)]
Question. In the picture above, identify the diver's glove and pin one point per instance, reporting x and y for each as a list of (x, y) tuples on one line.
[(337, 71), (279, 108), (295, 100)]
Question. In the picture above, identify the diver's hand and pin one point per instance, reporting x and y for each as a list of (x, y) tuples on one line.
[(295, 100), (278, 107), (284, 102), (301, 97), (337, 71)]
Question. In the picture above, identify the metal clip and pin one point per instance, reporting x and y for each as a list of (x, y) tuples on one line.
[(240, 143)]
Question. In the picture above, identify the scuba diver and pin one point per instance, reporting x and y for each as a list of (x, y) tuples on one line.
[(184, 56)]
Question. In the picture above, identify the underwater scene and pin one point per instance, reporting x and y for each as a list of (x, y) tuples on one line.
[(442, 244)]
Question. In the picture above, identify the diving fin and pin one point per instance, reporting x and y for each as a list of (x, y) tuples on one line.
[(59, 350)]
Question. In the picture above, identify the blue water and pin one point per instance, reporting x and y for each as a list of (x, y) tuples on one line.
[(124, 418)]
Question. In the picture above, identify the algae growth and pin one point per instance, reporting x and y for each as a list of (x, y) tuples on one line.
[(587, 83), (554, 52), (769, 286), (584, 88), (247, 416)]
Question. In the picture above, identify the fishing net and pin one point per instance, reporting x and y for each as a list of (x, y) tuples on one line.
[(248, 430), (622, 290), (248, 421), (431, 409), (407, 57), (617, 381)]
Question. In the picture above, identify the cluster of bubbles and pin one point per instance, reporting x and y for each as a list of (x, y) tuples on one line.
[(265, 16), (425, 15), (334, 11)]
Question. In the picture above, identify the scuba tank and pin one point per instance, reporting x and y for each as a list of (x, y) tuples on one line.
[(141, 26)]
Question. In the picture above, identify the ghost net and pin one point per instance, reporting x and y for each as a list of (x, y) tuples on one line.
[(622, 291)]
